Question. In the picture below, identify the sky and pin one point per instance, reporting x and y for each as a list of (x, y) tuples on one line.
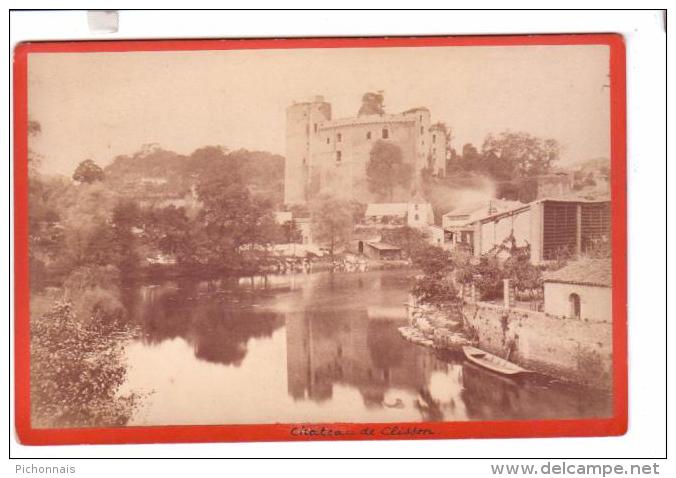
[(100, 105)]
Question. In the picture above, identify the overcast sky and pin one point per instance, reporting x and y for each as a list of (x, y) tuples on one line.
[(99, 105)]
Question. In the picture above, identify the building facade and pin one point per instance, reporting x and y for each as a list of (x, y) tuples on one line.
[(580, 290), (416, 214), (552, 228), (331, 155)]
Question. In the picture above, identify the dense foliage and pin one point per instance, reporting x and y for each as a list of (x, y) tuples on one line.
[(88, 172), (508, 155), (76, 372), (77, 364), (386, 169), (332, 222), (154, 172), (512, 160)]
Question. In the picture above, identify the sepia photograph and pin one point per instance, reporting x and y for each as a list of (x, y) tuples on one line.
[(393, 234)]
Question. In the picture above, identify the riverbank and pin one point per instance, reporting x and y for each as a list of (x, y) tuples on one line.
[(291, 266), (573, 351)]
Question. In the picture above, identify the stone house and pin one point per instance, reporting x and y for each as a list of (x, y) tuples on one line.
[(580, 290)]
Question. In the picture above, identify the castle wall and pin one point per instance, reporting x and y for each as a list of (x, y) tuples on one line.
[(422, 135), (302, 121), (325, 155), (438, 138), (342, 152)]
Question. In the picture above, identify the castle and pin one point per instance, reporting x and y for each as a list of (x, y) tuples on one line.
[(331, 155)]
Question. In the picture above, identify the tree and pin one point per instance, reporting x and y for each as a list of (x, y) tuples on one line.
[(332, 222), (34, 128), (125, 217), (386, 169), (232, 220), (88, 172), (471, 158), (34, 159), (509, 154), (372, 104), (168, 230)]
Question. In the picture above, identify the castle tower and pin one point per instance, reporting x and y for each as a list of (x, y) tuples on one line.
[(302, 122), (439, 139), (421, 137)]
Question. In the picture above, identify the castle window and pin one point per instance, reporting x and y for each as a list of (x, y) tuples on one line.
[(421, 118), (434, 138), (422, 130), (339, 137), (368, 135), (328, 140), (307, 129), (315, 127), (417, 218), (434, 150), (386, 133), (339, 156)]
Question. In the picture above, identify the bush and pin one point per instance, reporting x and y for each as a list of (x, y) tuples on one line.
[(101, 307), (486, 274), (435, 289), (76, 372), (432, 260), (89, 277)]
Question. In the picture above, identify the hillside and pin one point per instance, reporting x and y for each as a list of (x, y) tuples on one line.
[(156, 173)]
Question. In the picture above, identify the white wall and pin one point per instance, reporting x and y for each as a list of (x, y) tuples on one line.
[(595, 302)]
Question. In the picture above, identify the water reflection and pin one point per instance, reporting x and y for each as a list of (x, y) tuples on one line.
[(207, 315), (329, 347), (309, 348), (493, 397)]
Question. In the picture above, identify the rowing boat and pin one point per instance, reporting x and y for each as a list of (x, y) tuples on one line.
[(492, 362)]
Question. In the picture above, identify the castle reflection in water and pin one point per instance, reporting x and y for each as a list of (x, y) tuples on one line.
[(328, 333), (325, 348)]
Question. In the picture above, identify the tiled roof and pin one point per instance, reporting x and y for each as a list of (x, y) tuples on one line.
[(588, 271)]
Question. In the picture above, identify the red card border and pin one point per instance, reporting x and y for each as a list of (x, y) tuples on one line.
[(616, 425)]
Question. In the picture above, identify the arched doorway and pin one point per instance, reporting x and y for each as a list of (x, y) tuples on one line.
[(574, 301)]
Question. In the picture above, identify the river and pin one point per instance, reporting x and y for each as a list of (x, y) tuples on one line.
[(317, 347)]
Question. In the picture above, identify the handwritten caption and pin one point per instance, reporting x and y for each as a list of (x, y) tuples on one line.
[(387, 430)]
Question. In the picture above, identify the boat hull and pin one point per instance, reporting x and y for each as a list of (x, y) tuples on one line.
[(492, 362)]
